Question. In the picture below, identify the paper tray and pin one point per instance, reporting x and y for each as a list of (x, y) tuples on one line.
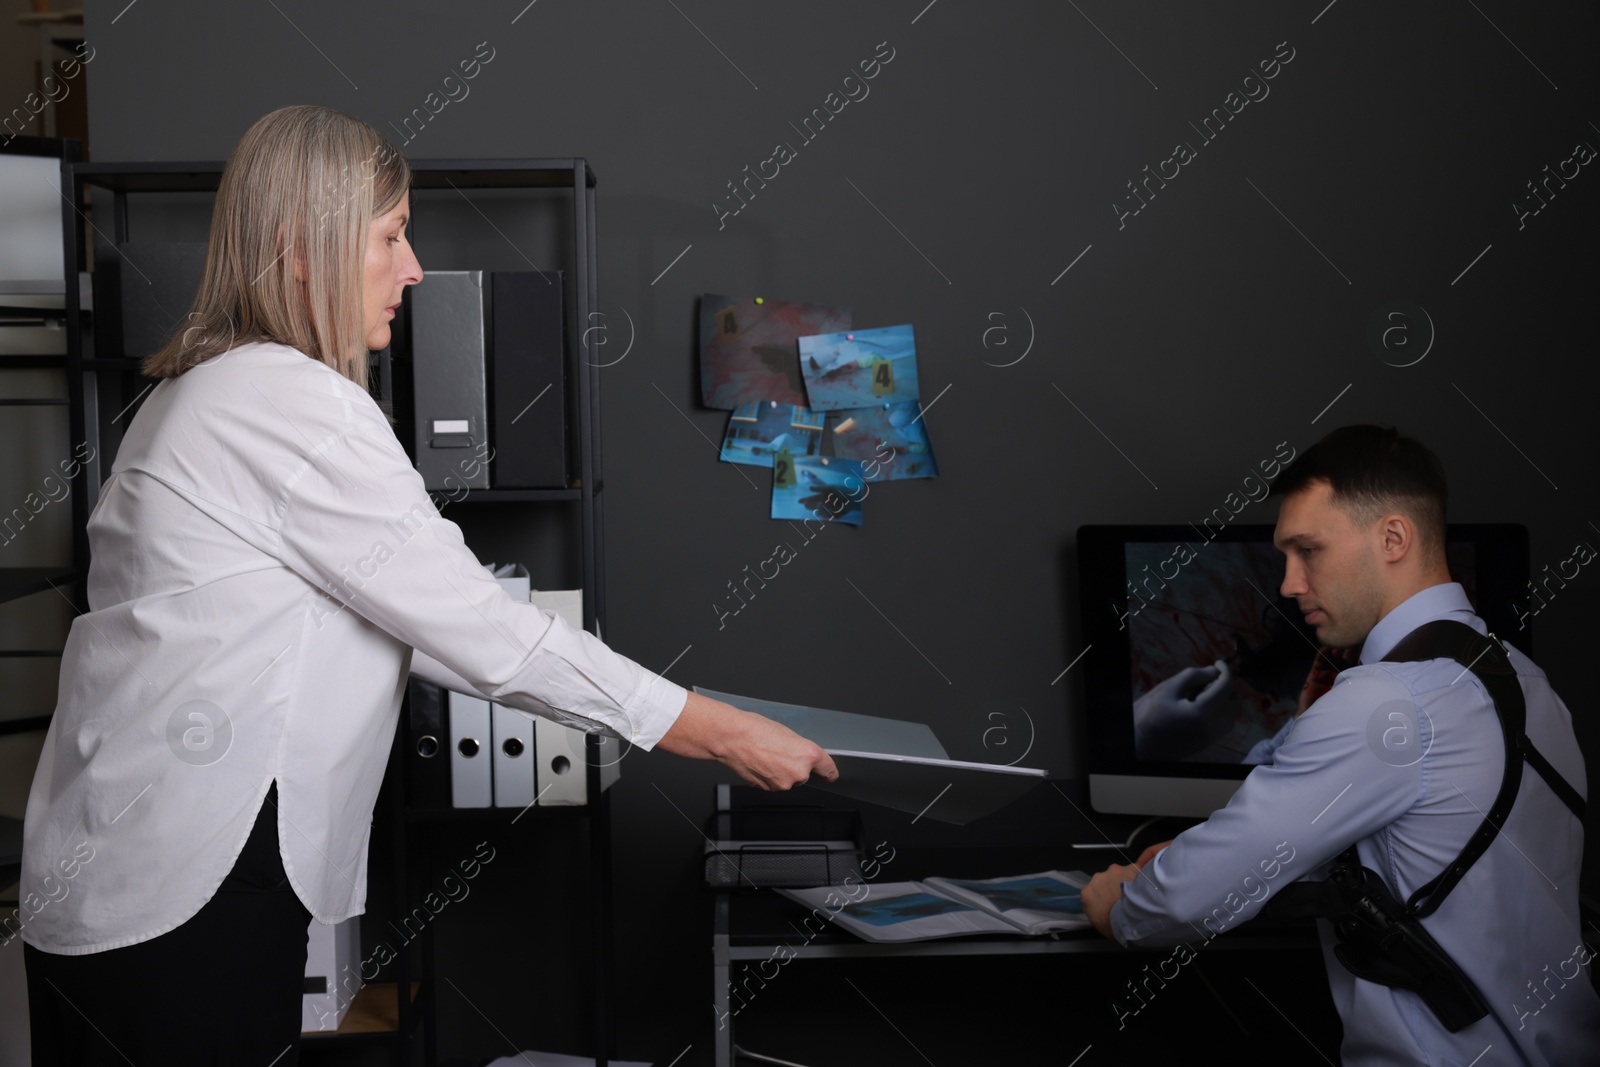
[(770, 847)]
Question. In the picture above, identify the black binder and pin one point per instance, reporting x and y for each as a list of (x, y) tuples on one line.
[(427, 746)]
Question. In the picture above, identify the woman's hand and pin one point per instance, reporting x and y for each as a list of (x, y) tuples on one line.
[(757, 749)]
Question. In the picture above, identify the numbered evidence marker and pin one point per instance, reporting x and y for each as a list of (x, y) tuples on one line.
[(827, 488), (882, 377), (783, 476)]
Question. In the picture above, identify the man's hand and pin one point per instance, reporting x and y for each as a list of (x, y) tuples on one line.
[(1104, 890), (1149, 854), (762, 752)]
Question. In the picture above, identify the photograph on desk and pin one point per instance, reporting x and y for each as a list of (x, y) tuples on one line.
[(859, 368), (890, 439), (1037, 901), (759, 431), (818, 487), (1027, 905), (749, 348)]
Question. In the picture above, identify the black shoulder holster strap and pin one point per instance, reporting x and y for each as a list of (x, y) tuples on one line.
[(1382, 940)]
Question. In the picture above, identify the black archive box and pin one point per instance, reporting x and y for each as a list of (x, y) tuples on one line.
[(493, 398), (448, 344), (530, 414)]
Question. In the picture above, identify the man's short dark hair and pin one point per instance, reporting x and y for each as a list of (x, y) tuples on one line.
[(1373, 472)]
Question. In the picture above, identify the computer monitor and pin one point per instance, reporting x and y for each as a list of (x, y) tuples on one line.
[(1158, 600)]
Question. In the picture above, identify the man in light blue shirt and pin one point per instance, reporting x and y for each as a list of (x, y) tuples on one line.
[(1403, 760)]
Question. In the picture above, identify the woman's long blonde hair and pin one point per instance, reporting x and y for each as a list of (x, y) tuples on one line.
[(285, 261)]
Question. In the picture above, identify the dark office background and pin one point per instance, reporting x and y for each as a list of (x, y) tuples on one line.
[(1181, 347)]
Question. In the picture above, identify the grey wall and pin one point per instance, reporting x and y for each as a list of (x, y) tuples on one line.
[(1192, 338)]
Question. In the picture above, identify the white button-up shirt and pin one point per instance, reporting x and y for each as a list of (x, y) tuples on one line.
[(265, 559)]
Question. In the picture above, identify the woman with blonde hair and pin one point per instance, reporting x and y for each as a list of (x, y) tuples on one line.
[(267, 567)]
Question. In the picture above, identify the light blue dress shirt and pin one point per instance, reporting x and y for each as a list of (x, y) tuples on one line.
[(1404, 760), (1263, 750)]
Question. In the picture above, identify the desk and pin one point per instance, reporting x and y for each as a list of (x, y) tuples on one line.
[(748, 927)]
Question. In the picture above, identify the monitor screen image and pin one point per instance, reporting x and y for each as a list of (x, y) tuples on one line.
[(1195, 661)]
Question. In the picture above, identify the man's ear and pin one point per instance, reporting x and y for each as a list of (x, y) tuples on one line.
[(1399, 537)]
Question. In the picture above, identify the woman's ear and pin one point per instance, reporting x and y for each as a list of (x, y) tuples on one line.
[(298, 263)]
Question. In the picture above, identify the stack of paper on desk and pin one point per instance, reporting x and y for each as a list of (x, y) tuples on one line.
[(950, 907), (897, 764)]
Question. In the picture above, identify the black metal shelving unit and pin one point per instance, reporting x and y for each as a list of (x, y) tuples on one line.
[(19, 582), (97, 378), (16, 582)]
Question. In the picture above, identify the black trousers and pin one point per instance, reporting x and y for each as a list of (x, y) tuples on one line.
[(224, 988)]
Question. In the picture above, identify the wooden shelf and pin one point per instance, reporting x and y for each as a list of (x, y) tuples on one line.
[(30, 362), (376, 1010), (26, 725), (18, 582), (68, 17)]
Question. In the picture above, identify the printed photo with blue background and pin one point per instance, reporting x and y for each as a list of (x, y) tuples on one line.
[(818, 487), (859, 368), (757, 432), (895, 435)]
